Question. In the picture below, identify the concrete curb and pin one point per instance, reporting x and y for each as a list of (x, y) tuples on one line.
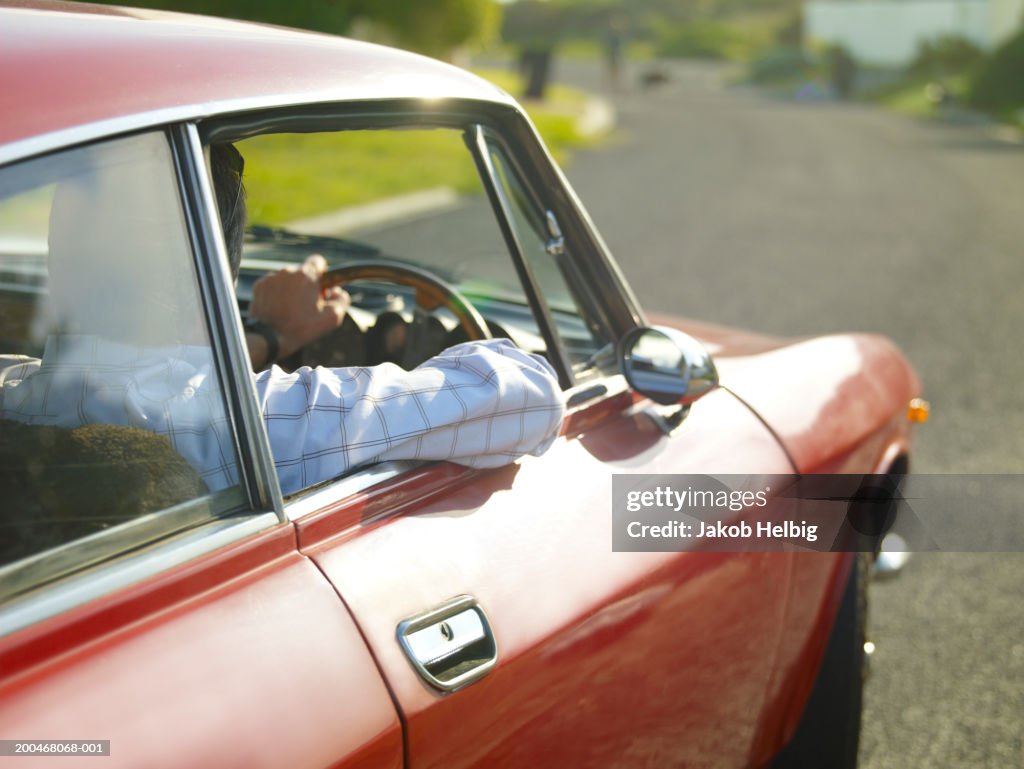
[(598, 117), (379, 212), (996, 131)]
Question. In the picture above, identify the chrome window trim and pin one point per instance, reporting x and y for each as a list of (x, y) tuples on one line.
[(577, 255), (342, 99), (319, 497), (256, 463), (332, 117), (477, 141), (585, 230), (51, 600), (312, 500), (44, 567)]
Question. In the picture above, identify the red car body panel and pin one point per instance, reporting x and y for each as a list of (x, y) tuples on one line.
[(827, 397), (230, 661), (837, 403), (184, 67), (684, 643)]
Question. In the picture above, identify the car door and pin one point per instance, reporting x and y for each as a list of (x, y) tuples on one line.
[(509, 632), (153, 604)]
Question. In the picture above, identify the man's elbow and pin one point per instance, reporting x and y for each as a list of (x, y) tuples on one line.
[(548, 409)]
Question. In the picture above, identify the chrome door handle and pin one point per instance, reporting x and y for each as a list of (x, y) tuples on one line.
[(451, 645)]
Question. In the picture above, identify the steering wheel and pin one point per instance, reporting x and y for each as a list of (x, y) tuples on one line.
[(431, 291)]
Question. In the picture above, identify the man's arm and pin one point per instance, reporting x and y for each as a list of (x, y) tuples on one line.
[(293, 311), (481, 404)]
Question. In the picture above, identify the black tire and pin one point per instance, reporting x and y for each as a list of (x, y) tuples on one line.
[(829, 732)]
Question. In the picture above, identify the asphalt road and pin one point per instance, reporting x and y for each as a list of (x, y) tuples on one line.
[(734, 206)]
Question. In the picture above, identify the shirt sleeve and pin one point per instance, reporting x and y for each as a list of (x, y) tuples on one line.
[(481, 404)]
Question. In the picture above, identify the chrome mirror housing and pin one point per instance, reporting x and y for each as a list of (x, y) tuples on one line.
[(666, 365)]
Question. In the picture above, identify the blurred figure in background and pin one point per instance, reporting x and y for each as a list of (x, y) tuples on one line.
[(614, 49)]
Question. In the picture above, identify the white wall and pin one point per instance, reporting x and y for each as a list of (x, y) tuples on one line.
[(888, 32), (1006, 17)]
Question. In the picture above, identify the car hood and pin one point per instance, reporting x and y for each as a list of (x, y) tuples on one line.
[(822, 396)]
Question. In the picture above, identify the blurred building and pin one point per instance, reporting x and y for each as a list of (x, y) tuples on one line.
[(889, 32)]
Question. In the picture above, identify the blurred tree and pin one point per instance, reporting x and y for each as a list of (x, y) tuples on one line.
[(533, 23), (999, 85), (946, 55), (322, 15), (435, 27), (535, 28), (538, 27)]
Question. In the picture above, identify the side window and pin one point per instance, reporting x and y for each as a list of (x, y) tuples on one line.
[(113, 430), (409, 197), (405, 224)]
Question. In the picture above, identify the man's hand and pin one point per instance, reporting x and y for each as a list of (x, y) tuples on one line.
[(292, 303)]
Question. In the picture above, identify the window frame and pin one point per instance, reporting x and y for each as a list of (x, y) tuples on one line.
[(615, 306), (587, 304), (614, 309), (502, 207)]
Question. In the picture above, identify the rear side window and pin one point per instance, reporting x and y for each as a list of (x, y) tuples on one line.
[(113, 427)]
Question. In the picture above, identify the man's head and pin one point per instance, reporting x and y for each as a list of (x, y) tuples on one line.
[(226, 166)]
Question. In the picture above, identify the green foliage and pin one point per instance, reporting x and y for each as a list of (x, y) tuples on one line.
[(781, 64), (290, 176), (999, 84), (731, 29), (791, 32), (920, 96), (534, 23), (435, 27), (946, 56), (332, 16), (703, 39)]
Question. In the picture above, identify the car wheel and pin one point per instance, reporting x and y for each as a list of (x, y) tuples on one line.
[(829, 732)]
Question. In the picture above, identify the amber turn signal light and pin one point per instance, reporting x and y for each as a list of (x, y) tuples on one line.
[(918, 410)]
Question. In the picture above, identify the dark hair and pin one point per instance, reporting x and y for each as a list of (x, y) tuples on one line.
[(226, 164)]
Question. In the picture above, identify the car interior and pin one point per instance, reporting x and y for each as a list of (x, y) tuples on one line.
[(426, 268)]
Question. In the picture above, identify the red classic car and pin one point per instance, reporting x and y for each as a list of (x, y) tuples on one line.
[(405, 613)]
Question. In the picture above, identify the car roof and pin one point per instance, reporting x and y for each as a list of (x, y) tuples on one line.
[(74, 66)]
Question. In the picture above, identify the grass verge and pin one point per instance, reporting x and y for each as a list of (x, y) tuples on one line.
[(921, 96)]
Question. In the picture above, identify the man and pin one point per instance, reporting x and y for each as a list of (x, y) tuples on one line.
[(288, 309), (482, 404)]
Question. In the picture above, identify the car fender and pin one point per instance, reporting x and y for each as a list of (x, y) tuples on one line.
[(836, 403)]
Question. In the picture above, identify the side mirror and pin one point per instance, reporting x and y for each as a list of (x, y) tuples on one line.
[(667, 366)]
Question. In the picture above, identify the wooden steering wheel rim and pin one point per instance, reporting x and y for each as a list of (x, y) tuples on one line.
[(431, 291)]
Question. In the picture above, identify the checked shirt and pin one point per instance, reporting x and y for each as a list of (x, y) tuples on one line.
[(481, 404)]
